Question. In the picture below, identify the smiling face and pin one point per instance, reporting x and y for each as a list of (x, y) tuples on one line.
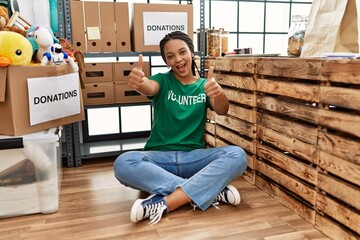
[(179, 57)]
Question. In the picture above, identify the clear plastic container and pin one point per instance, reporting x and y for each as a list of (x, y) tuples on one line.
[(30, 173), (224, 41), (214, 42), (296, 35)]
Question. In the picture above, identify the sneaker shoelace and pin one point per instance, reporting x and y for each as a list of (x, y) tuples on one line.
[(154, 212), (215, 204)]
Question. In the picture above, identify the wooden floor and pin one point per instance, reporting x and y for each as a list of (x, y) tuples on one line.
[(93, 205)]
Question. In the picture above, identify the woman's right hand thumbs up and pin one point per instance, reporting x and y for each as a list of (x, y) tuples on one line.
[(137, 76)]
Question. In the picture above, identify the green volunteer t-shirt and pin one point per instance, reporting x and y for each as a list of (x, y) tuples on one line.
[(179, 115)]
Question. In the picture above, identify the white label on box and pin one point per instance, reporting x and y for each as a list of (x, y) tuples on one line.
[(158, 24), (53, 97), (93, 33)]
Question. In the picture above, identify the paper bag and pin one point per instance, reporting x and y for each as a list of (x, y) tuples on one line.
[(333, 27)]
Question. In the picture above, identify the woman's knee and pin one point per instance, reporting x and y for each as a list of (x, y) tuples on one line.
[(239, 155), (122, 162)]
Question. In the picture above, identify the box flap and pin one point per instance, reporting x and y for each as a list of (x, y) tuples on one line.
[(3, 71)]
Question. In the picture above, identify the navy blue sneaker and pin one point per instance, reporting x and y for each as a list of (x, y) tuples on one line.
[(152, 207), (229, 195)]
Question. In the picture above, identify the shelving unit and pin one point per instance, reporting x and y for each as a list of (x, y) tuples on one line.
[(73, 150)]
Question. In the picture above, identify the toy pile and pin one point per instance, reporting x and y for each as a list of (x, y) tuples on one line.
[(34, 44)]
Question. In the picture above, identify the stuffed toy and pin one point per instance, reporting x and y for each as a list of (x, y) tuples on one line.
[(15, 49), (41, 39), (70, 49), (57, 57), (4, 19)]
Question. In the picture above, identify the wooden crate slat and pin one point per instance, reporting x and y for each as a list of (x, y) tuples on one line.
[(239, 82), (249, 176), (224, 65), (333, 229), (306, 92), (281, 106), (342, 71), (235, 139), (251, 161), (240, 97), (340, 96), (288, 144), (210, 115), (339, 167), (289, 164), (242, 127), (339, 189), (340, 146), (289, 67), (210, 128), (243, 65), (341, 121), (288, 182), (289, 127), (344, 215), (210, 139), (242, 113), (289, 201)]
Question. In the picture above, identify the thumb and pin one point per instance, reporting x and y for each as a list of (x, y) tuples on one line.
[(140, 63), (210, 73)]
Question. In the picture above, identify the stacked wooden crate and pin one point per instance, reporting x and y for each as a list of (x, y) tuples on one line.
[(238, 126), (299, 122)]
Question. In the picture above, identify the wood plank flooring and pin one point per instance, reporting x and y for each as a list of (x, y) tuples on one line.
[(94, 205)]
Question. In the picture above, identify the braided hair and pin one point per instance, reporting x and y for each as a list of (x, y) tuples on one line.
[(181, 36)]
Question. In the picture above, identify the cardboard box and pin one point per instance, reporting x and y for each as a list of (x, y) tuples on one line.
[(123, 94), (15, 105), (151, 22), (30, 173), (99, 93), (100, 26), (97, 72), (92, 26), (78, 25), (122, 20), (123, 69)]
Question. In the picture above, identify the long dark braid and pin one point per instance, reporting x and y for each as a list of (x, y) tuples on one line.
[(182, 36)]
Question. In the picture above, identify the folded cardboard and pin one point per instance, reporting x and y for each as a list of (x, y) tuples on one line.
[(30, 173), (151, 22), (14, 101)]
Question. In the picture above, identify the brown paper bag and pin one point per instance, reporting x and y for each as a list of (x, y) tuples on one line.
[(333, 27)]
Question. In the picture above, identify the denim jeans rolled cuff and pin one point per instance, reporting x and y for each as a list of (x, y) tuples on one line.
[(205, 186)]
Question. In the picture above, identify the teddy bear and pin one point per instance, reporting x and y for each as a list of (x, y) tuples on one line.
[(4, 19)]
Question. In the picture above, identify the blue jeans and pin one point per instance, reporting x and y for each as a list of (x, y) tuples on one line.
[(202, 173)]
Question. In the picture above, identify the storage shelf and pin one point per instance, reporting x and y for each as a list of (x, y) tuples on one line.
[(123, 54), (76, 151), (110, 148), (120, 54)]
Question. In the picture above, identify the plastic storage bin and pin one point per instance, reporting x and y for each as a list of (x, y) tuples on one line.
[(30, 172)]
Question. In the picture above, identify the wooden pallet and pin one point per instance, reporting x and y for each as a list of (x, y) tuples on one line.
[(299, 122)]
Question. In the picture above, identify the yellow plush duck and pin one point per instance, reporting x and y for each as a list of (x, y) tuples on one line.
[(15, 49)]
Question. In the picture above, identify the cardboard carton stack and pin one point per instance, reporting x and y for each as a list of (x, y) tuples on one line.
[(106, 83), (109, 27)]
